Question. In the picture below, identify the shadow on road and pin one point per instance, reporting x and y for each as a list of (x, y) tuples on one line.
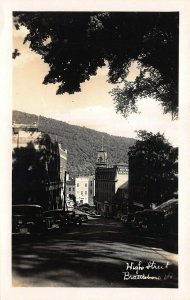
[(93, 255)]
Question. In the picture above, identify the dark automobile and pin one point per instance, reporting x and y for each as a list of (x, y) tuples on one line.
[(123, 218), (72, 218), (161, 220), (27, 219), (83, 216), (127, 219), (148, 220), (58, 219), (170, 215), (55, 219)]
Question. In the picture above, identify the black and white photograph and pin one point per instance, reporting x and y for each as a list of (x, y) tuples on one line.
[(95, 148)]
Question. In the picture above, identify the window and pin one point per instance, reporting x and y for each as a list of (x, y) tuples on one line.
[(77, 184), (85, 184), (69, 189), (73, 189), (85, 192), (82, 193)]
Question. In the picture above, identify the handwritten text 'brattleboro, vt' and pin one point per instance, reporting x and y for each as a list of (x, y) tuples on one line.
[(147, 271)]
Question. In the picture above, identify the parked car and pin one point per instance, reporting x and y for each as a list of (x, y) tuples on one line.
[(55, 219), (161, 220), (58, 218), (73, 218), (170, 212), (94, 215), (84, 218), (27, 219), (148, 220), (127, 219)]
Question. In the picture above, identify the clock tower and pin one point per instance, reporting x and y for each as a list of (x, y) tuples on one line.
[(102, 159)]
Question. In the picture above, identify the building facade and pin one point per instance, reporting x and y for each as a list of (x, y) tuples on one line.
[(38, 167), (63, 170), (84, 189), (111, 187), (70, 193)]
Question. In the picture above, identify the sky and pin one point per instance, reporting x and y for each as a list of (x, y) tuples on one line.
[(93, 107)]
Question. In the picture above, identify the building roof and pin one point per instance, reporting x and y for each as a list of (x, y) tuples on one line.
[(70, 182)]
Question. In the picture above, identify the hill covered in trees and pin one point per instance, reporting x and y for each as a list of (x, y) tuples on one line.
[(81, 143)]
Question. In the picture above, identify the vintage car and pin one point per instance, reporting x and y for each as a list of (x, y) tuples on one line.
[(161, 220), (27, 219), (170, 213), (55, 219), (83, 217), (73, 218), (58, 219), (127, 219), (148, 220)]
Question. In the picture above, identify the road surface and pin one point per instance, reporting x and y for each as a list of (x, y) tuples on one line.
[(100, 253)]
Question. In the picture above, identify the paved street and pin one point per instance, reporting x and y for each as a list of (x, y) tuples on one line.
[(100, 253)]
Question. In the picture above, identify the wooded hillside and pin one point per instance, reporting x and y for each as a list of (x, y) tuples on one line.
[(81, 143)]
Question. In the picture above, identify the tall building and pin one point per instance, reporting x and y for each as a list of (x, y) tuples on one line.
[(38, 167), (84, 186), (102, 159), (111, 186)]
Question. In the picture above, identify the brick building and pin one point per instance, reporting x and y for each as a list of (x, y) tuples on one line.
[(39, 165), (111, 186)]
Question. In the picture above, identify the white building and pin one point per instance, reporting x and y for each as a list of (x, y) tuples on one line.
[(84, 189)]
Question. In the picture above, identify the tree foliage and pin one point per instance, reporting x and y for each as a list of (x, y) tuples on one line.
[(153, 166), (34, 167), (76, 44)]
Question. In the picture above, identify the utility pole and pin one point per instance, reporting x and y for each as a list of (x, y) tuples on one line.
[(64, 195)]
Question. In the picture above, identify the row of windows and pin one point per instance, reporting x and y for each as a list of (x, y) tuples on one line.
[(86, 184), (84, 192)]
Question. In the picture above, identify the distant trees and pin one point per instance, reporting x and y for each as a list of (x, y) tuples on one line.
[(153, 167), (82, 143), (76, 44)]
